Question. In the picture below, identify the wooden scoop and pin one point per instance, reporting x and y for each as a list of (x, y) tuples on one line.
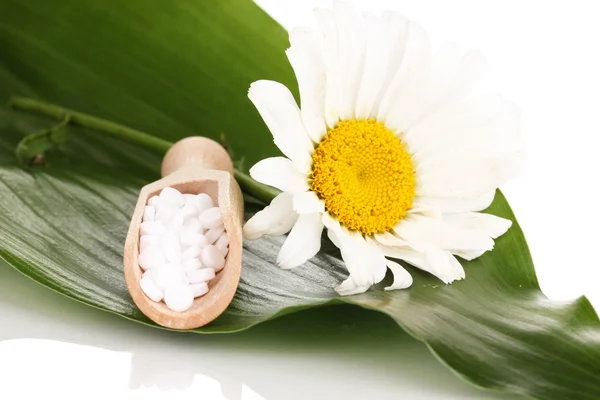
[(192, 165)]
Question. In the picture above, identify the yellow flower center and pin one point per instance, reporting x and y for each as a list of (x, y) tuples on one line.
[(365, 176)]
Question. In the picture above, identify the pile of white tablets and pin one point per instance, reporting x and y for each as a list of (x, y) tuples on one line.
[(183, 244)]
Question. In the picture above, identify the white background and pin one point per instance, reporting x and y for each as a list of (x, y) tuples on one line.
[(544, 56)]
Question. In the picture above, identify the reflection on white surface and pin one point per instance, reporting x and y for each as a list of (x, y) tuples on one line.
[(53, 345), (149, 372), (72, 370)]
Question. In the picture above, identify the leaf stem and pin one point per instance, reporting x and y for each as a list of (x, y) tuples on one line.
[(247, 184), (87, 121)]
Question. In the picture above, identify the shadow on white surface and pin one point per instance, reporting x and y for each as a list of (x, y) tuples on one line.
[(343, 352)]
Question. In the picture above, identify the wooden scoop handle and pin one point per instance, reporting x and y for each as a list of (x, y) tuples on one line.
[(196, 151)]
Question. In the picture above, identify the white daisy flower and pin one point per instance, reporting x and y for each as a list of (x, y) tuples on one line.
[(390, 151)]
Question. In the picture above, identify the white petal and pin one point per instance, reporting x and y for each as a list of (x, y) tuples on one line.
[(279, 172), (303, 242), (473, 122), (469, 177), (333, 236), (468, 75), (333, 83), (416, 63), (469, 254), (449, 205), (413, 257), (460, 83), (376, 63), (459, 271), (279, 110), (492, 225), (304, 55), (452, 77), (349, 287), (333, 225), (276, 219), (423, 233), (425, 136), (388, 239), (402, 279), (308, 203), (334, 230), (444, 266), (343, 52), (487, 148), (437, 262), (422, 208), (350, 56), (381, 47), (366, 263), (395, 36)]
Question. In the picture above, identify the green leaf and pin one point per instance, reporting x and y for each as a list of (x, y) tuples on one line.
[(177, 69), (36, 144), (65, 228), (172, 69)]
